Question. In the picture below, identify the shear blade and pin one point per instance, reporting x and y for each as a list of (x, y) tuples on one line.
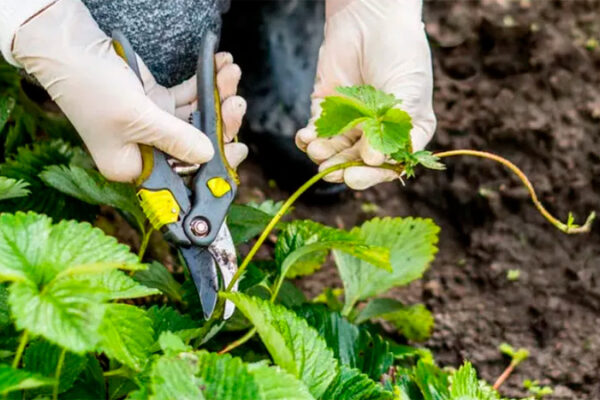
[(223, 252), (202, 263)]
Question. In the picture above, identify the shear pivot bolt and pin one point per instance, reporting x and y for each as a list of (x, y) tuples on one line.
[(200, 227)]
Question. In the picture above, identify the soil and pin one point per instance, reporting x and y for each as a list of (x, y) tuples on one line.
[(521, 79)]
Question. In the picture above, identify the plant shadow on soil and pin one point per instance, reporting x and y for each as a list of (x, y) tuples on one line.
[(520, 79)]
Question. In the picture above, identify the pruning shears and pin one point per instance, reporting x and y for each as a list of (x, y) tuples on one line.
[(193, 217)]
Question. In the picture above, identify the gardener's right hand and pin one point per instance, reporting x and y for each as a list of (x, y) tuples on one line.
[(63, 47)]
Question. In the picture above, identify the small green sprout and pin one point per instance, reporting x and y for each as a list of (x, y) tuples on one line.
[(536, 390), (517, 356), (513, 274), (369, 208)]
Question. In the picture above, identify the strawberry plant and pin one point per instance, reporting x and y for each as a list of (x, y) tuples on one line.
[(83, 317)]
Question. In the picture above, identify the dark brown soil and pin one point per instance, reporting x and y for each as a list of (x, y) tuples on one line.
[(515, 78)]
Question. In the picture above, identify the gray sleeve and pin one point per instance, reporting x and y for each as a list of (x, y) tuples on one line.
[(165, 33)]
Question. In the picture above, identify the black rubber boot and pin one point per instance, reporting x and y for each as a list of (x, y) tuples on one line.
[(276, 43)]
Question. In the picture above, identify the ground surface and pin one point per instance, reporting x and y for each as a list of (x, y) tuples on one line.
[(515, 78)]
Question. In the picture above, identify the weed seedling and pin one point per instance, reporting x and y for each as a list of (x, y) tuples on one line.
[(513, 274), (536, 390), (516, 358)]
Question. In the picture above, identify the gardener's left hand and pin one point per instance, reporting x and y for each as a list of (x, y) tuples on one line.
[(380, 43)]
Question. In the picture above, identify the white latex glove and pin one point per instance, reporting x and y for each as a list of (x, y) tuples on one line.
[(380, 43), (75, 62)]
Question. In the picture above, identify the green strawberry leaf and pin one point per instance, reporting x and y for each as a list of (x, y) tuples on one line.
[(119, 285), (126, 335), (12, 188), (412, 243), (465, 384), (17, 379), (63, 275), (411, 160), (217, 372), (293, 345), (27, 164), (432, 381), (167, 319), (172, 344), (309, 242), (339, 115), (386, 128), (268, 206), (66, 312), (7, 105), (353, 346), (158, 277), (33, 249), (429, 160), (377, 101), (245, 222), (90, 186), (351, 384), (42, 357), (405, 388), (4, 307), (415, 322), (275, 383), (391, 133), (90, 384), (174, 377)]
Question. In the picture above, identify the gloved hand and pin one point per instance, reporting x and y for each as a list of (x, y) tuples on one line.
[(75, 62), (380, 43)]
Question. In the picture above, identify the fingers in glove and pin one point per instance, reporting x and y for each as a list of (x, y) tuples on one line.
[(185, 111), (228, 79), (123, 164), (223, 58), (369, 155), (147, 78), (185, 93), (423, 130), (173, 136), (349, 154), (361, 178), (322, 149), (236, 153), (309, 133), (160, 95), (233, 111)]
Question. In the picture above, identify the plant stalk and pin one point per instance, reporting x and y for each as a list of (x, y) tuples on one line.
[(116, 372), (144, 244), (502, 378), (566, 228), (239, 342), (59, 366), (22, 344)]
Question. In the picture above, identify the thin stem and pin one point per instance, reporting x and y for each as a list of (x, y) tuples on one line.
[(59, 366), (116, 372), (502, 378), (22, 343), (566, 228), (144, 244), (239, 342), (286, 206)]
